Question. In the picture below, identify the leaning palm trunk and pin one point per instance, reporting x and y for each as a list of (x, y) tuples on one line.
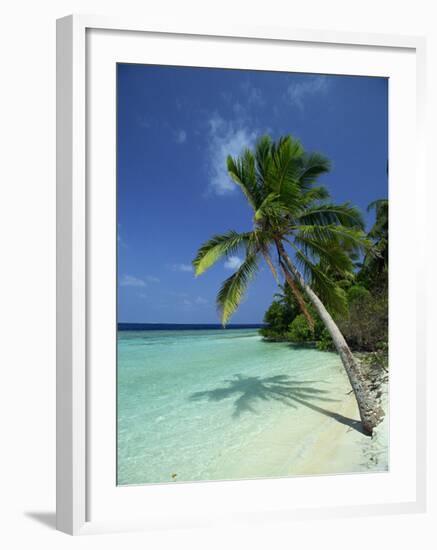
[(370, 412)]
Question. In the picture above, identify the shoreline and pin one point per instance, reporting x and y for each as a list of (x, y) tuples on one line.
[(333, 447)]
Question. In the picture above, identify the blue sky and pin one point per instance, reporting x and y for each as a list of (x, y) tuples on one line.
[(175, 127)]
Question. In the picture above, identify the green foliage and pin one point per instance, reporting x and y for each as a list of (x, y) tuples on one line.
[(325, 286), (299, 331), (324, 342), (284, 322), (374, 271), (365, 324), (362, 314), (271, 335), (233, 289), (357, 293), (380, 227), (279, 315), (217, 247)]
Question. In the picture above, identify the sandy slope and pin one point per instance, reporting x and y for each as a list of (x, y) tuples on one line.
[(318, 445), (342, 449)]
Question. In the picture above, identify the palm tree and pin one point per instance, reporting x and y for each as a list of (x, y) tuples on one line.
[(294, 222), (373, 270), (379, 234)]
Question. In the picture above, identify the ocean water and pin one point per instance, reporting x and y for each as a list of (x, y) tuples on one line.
[(207, 404)]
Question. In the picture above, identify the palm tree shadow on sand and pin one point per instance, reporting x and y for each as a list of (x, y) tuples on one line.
[(250, 390)]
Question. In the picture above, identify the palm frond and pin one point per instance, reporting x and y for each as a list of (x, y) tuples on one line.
[(380, 227), (350, 238), (263, 160), (314, 195), (234, 288), (267, 206), (291, 197), (378, 204), (313, 166), (331, 294), (326, 214), (217, 247), (285, 166), (337, 257), (243, 172)]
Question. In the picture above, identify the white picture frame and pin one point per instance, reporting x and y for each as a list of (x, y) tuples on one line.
[(74, 286)]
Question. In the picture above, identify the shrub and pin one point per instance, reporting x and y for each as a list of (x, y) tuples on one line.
[(272, 335), (299, 331), (357, 293), (366, 326), (279, 315), (325, 342)]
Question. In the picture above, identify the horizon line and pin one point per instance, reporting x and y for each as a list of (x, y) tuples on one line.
[(184, 324)]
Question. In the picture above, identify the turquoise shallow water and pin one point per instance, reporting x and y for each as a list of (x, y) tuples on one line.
[(191, 403)]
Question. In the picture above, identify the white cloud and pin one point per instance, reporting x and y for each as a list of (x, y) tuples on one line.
[(200, 301), (152, 279), (130, 280), (233, 262), (181, 136), (182, 267), (226, 138), (312, 85)]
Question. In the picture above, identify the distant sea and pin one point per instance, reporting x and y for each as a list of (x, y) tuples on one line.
[(196, 402), (176, 326)]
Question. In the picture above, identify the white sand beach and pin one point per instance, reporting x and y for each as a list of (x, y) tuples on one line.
[(317, 445)]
